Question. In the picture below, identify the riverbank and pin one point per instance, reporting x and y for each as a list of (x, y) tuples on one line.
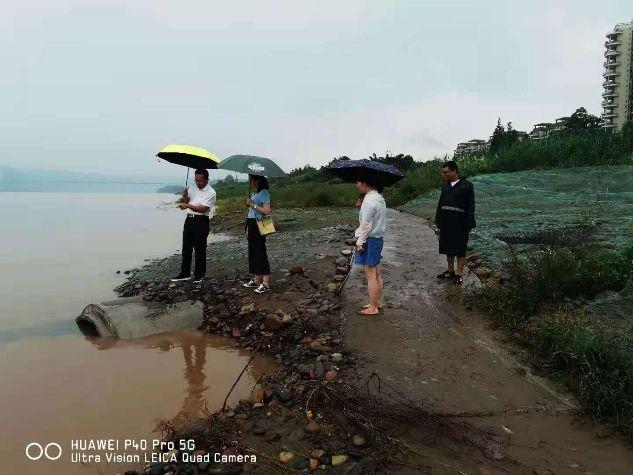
[(321, 409), (424, 388)]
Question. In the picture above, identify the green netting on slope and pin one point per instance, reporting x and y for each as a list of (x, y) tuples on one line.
[(564, 206)]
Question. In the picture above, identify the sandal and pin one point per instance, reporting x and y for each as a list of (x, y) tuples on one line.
[(458, 279), (379, 307), (366, 313)]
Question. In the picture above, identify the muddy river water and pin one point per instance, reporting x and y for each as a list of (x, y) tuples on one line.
[(59, 252)]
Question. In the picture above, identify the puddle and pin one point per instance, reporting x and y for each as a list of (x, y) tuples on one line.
[(68, 387)]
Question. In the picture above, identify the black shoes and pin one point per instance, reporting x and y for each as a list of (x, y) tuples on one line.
[(180, 277), (446, 275), (451, 276)]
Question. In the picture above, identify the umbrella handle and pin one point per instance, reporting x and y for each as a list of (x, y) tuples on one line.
[(187, 180)]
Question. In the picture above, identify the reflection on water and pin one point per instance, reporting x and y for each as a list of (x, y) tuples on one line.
[(60, 388)]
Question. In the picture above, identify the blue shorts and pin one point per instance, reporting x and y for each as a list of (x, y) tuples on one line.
[(371, 256)]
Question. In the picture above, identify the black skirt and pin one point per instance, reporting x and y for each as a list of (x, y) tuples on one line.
[(257, 256), (453, 233)]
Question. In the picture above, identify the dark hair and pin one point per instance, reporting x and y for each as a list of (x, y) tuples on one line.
[(371, 180), (451, 165), (262, 182), (202, 171)]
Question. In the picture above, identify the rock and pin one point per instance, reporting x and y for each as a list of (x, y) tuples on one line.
[(300, 463), (317, 453), (305, 369), (306, 341), (339, 460), (483, 272), (324, 308), (473, 258), (339, 278), (257, 395), (286, 319), (312, 427), (296, 270), (318, 370), (273, 322), (342, 262), (336, 357), (259, 430), (341, 270), (330, 375), (286, 457), (350, 241), (346, 252), (359, 441), (248, 308), (313, 464), (283, 396), (332, 287)]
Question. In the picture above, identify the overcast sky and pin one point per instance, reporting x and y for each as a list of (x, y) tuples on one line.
[(101, 85)]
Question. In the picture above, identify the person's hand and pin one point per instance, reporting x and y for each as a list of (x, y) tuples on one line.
[(183, 205), (250, 202), (360, 249), (185, 194)]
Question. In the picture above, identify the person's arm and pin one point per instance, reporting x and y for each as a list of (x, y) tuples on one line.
[(209, 201), (470, 209), (265, 207), (367, 213), (438, 212)]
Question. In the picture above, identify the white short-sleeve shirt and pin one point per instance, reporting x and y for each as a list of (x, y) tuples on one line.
[(202, 197)]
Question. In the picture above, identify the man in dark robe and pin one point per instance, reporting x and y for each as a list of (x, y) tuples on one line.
[(455, 217)]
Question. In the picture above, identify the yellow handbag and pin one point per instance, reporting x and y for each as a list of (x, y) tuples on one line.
[(266, 226)]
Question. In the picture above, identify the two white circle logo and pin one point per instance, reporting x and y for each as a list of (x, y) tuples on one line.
[(256, 167), (35, 451)]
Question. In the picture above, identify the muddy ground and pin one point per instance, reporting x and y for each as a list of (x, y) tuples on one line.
[(425, 387)]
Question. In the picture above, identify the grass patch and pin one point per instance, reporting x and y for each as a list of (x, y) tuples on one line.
[(543, 300)]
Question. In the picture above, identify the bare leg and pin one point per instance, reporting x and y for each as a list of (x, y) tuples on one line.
[(372, 288), (267, 280), (460, 265), (258, 279), (381, 290)]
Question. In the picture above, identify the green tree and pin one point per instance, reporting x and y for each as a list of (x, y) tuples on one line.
[(497, 141), (582, 121)]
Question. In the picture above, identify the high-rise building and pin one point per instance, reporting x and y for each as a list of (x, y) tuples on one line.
[(617, 95)]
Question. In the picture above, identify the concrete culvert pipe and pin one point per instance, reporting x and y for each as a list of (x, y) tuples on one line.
[(130, 317)]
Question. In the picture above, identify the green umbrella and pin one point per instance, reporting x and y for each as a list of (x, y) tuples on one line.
[(252, 165)]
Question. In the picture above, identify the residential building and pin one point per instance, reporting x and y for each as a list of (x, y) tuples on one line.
[(617, 92), (472, 147), (541, 131)]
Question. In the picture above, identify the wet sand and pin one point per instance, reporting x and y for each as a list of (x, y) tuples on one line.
[(69, 387)]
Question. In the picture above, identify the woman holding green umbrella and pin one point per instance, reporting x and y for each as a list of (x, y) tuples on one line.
[(259, 207)]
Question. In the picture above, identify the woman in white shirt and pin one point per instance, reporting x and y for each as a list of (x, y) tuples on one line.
[(369, 240)]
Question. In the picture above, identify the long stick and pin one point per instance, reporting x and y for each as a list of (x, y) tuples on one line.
[(351, 263), (238, 378), (187, 180)]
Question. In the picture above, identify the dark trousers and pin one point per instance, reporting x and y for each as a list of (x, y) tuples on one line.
[(257, 256), (194, 236)]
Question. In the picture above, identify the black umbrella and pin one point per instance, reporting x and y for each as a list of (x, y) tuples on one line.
[(351, 170)]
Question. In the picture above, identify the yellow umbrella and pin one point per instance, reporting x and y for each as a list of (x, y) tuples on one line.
[(189, 156)]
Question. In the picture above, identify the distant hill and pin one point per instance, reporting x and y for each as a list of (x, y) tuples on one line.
[(173, 189), (18, 179)]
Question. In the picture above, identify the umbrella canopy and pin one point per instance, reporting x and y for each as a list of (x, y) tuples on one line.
[(189, 156), (352, 170), (252, 165)]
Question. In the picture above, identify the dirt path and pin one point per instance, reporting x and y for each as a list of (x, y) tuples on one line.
[(448, 358)]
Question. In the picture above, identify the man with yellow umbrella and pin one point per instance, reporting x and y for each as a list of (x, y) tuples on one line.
[(198, 201)]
